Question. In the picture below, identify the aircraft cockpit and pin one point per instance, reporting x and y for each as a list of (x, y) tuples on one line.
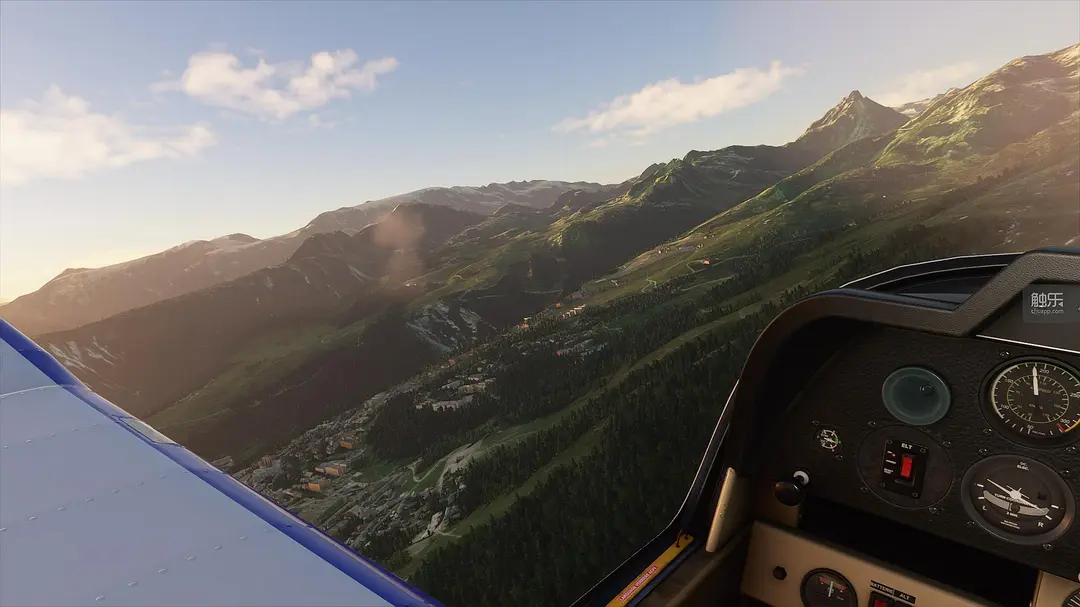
[(909, 440)]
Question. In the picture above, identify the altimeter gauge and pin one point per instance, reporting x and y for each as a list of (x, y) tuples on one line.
[(1035, 400), (1018, 499)]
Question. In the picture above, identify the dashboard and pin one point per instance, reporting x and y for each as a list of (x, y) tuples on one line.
[(916, 436), (967, 439), (911, 439)]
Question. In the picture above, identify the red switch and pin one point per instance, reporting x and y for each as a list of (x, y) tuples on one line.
[(879, 600), (906, 464)]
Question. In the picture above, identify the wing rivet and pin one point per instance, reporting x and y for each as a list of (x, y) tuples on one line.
[(116, 491), (162, 570), (52, 434), (243, 537), (33, 518), (139, 483), (190, 558), (61, 509), (89, 499), (161, 476), (3, 528), (100, 598), (132, 584), (29, 440), (5, 446), (218, 547)]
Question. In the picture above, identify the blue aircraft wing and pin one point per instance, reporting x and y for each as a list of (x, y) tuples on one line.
[(98, 508)]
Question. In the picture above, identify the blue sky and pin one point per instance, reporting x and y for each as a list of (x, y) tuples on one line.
[(131, 127)]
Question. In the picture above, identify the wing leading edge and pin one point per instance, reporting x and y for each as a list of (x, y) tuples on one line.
[(97, 508)]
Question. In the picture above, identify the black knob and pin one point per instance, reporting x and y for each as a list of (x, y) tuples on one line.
[(792, 492), (779, 573), (789, 493)]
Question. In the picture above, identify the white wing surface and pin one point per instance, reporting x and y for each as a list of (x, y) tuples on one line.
[(97, 508)]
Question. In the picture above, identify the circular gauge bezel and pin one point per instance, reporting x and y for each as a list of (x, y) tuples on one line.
[(998, 424), (832, 572), (900, 410), (1073, 600), (1035, 466)]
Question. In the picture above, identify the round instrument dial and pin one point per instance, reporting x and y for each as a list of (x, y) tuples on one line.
[(1018, 499), (827, 588), (1073, 600), (1036, 400)]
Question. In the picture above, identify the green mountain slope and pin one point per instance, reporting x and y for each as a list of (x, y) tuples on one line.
[(1015, 102), (968, 153), (590, 235)]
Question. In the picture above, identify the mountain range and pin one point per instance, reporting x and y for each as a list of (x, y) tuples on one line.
[(81, 295), (314, 322)]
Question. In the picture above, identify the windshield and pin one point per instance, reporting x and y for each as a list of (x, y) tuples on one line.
[(466, 285)]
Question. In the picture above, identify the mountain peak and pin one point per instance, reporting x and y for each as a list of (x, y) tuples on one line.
[(854, 118), (238, 237)]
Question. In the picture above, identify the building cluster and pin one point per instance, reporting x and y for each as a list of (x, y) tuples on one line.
[(459, 390), (328, 477), (573, 311)]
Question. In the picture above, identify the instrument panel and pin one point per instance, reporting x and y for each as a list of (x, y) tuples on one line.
[(964, 438), (785, 568)]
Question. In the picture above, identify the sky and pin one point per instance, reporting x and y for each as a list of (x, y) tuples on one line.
[(127, 128)]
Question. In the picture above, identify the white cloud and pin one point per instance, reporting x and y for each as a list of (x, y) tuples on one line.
[(923, 84), (670, 102), (318, 122), (275, 91), (60, 138)]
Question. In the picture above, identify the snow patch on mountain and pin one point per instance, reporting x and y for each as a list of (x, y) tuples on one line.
[(359, 275), (71, 355), (445, 328), (472, 319)]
